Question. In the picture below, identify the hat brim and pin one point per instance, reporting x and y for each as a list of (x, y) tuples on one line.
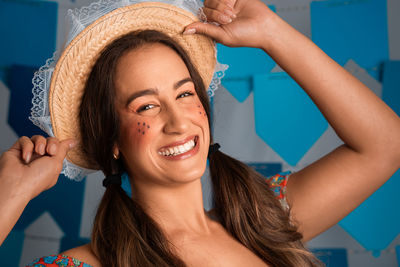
[(77, 60)]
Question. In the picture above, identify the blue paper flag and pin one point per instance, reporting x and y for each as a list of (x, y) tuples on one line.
[(352, 29), (332, 257), (391, 85), (30, 34), (11, 249), (19, 80), (266, 169), (239, 88), (68, 243), (376, 222), (285, 117), (243, 63), (63, 201)]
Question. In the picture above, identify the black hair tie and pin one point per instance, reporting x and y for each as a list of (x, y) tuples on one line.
[(213, 148), (112, 179)]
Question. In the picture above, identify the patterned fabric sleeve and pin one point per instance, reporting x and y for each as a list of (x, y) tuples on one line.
[(57, 261), (277, 183)]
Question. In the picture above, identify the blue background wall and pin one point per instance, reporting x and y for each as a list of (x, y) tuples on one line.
[(361, 35)]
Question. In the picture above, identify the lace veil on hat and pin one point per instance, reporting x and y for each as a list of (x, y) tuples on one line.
[(51, 101)]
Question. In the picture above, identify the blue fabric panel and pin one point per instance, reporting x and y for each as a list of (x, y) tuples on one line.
[(30, 32), (11, 249), (63, 202), (332, 257), (376, 222), (243, 63), (352, 29), (19, 81), (285, 117), (398, 255), (266, 169), (391, 85)]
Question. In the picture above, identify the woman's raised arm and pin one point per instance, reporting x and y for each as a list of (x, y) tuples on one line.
[(323, 193), (29, 167)]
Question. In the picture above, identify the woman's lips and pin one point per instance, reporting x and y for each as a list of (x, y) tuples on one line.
[(192, 151)]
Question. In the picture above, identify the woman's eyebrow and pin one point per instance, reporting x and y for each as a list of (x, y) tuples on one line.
[(150, 91), (154, 91), (182, 82)]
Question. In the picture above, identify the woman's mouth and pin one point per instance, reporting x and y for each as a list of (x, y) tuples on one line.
[(180, 150)]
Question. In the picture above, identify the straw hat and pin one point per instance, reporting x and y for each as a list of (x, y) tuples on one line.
[(75, 64)]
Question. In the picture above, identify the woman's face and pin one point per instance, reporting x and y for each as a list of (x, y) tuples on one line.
[(164, 132)]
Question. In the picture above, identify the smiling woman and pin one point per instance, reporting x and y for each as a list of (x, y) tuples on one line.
[(165, 164), (131, 88)]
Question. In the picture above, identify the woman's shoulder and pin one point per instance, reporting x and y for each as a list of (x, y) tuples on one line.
[(77, 257)]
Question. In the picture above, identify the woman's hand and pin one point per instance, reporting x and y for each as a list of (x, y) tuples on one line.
[(29, 167), (32, 165), (242, 22)]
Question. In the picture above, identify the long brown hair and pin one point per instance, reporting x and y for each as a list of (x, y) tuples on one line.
[(124, 235)]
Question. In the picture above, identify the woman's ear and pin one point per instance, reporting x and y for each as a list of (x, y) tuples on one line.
[(115, 152)]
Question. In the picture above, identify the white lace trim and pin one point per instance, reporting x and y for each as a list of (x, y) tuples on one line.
[(79, 19)]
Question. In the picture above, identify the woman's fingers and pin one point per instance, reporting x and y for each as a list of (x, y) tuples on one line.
[(36, 146), (26, 146), (220, 5), (40, 172), (213, 31), (219, 16), (52, 146), (63, 147), (219, 11), (40, 144)]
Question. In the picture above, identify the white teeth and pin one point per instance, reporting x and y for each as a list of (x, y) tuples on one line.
[(187, 146), (173, 151)]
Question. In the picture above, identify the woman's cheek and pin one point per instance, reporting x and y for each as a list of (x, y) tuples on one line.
[(200, 112), (139, 132), (143, 128)]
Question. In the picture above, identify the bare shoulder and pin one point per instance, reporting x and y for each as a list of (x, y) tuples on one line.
[(84, 254)]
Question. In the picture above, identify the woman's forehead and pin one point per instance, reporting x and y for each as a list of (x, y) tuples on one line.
[(152, 66)]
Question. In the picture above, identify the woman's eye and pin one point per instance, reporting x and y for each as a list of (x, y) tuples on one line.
[(145, 107), (185, 94)]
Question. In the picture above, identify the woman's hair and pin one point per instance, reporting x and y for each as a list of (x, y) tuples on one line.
[(124, 235)]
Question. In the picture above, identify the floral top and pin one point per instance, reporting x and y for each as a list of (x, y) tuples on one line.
[(57, 261), (277, 183)]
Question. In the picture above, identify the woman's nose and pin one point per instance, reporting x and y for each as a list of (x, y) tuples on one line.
[(176, 121)]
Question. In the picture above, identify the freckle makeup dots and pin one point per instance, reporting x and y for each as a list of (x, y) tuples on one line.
[(142, 127)]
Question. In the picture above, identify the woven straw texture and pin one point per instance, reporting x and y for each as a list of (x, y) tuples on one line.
[(77, 60)]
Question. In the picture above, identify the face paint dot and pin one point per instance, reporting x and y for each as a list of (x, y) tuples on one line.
[(199, 112), (139, 130), (148, 127), (138, 123), (143, 132), (144, 123)]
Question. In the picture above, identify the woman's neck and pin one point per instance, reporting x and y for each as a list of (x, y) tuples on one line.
[(178, 210)]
